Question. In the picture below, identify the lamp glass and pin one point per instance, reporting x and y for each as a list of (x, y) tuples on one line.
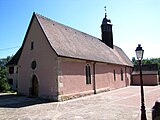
[(139, 54)]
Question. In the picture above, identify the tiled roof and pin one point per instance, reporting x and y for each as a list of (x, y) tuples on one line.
[(15, 58), (69, 42)]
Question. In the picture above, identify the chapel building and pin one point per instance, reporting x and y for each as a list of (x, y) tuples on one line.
[(58, 62)]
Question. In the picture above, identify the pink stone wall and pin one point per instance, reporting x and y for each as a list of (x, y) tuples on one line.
[(147, 79), (72, 77)]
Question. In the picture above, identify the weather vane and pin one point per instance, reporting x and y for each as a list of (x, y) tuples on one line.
[(108, 20), (105, 11)]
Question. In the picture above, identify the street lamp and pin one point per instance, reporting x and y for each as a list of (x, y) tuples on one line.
[(139, 54)]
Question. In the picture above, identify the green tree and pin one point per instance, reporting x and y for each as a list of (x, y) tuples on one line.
[(4, 86), (134, 61), (148, 61)]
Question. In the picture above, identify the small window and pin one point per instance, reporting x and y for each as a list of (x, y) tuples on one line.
[(88, 74), (114, 75), (122, 74), (32, 45), (10, 81), (11, 70)]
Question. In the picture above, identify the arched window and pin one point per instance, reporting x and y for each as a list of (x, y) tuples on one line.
[(121, 74), (114, 75), (88, 74)]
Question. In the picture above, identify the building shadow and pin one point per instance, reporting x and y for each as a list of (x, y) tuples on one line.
[(18, 101)]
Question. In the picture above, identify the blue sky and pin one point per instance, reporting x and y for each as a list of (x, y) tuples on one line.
[(134, 21)]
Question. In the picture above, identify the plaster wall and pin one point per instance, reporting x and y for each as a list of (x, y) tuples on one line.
[(72, 76), (46, 63), (128, 72), (13, 76), (105, 76), (148, 79)]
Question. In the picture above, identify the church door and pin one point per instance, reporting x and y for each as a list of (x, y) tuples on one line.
[(35, 86)]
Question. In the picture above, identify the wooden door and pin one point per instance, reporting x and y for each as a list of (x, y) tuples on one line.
[(35, 86)]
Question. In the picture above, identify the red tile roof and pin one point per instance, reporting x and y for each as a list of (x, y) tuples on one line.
[(69, 42)]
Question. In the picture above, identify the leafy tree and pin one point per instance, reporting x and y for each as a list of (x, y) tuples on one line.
[(4, 86), (134, 61), (148, 61)]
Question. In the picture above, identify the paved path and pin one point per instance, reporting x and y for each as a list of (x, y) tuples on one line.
[(122, 104)]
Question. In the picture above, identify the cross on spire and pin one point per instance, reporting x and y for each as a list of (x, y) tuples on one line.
[(107, 20), (105, 11)]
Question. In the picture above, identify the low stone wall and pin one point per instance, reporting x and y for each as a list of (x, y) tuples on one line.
[(81, 94), (65, 97)]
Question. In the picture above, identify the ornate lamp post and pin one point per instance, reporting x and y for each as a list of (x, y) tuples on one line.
[(139, 54)]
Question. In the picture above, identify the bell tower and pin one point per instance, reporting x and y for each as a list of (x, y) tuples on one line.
[(106, 29)]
